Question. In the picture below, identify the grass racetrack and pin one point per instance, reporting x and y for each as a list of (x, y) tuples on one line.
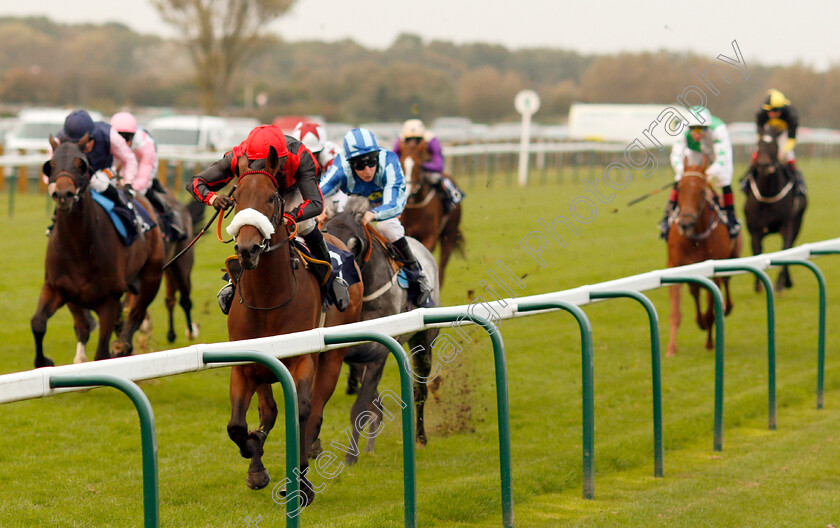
[(74, 459)]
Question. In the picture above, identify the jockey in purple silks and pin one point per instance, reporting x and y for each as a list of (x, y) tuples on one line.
[(414, 131)]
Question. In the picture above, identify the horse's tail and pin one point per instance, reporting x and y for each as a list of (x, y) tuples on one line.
[(196, 210), (460, 243)]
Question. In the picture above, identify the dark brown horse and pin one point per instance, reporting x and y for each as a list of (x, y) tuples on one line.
[(424, 217), (773, 204), (275, 295), (177, 275), (699, 233), (87, 266)]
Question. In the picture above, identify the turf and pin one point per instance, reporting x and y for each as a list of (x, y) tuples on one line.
[(74, 459)]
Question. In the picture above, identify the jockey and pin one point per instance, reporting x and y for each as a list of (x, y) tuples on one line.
[(705, 135), (315, 138), (105, 146), (413, 131), (299, 187), (145, 149), (781, 115), (366, 169)]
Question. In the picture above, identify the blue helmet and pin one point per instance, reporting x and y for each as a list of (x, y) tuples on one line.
[(358, 142), (76, 125)]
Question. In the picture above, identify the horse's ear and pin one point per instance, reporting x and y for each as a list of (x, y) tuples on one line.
[(84, 141), (54, 143), (82, 165), (241, 165), (274, 162)]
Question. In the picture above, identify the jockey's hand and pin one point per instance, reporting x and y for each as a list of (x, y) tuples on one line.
[(321, 219), (221, 202), (368, 218)]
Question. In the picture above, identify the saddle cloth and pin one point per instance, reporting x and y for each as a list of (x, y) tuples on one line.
[(123, 219)]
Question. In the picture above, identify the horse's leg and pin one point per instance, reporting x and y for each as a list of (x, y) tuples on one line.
[(449, 240), (303, 372), (48, 302), (354, 375), (373, 425), (326, 378), (183, 285), (367, 393), (422, 365), (728, 306), (789, 232), (709, 318), (108, 312), (170, 304), (674, 292), (149, 280), (258, 477), (82, 324), (755, 241)]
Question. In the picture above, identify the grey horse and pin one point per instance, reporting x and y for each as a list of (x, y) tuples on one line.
[(383, 296)]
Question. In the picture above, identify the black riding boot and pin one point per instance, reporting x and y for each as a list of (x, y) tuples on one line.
[(664, 226), (337, 288), (124, 201), (798, 180), (732, 223), (418, 288), (173, 221)]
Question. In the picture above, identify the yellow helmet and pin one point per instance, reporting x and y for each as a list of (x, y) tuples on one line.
[(775, 100), (413, 128)]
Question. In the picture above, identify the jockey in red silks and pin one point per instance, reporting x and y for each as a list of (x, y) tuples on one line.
[(298, 184)]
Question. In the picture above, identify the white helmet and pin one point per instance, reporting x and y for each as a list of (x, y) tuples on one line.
[(699, 116), (413, 128), (312, 135)]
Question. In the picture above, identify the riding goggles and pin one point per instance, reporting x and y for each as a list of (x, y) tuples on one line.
[(413, 139), (362, 162), (697, 128)]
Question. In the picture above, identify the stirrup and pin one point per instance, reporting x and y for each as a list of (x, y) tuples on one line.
[(338, 293), (734, 229), (225, 297)]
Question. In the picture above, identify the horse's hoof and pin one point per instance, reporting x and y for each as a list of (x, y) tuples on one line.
[(192, 333), (170, 336), (709, 345), (258, 480), (316, 449), (350, 459), (421, 439), (45, 362)]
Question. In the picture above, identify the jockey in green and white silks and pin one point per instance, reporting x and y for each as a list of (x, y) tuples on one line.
[(705, 136)]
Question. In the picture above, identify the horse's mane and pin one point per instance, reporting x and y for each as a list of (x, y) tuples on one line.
[(357, 205)]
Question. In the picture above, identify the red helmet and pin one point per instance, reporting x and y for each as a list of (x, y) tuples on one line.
[(258, 144)]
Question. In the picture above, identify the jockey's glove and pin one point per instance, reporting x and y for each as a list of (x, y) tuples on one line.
[(221, 202)]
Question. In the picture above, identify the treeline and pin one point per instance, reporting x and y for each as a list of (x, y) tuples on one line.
[(110, 66)]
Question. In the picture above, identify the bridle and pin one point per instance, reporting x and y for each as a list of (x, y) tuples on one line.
[(696, 216), (266, 246), (756, 192)]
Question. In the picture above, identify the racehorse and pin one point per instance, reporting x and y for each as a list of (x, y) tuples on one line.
[(699, 233), (383, 296), (177, 275), (275, 295), (773, 205), (87, 266), (424, 217)]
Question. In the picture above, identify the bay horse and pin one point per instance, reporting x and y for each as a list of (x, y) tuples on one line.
[(698, 233), (383, 297), (177, 275), (87, 266), (773, 205), (424, 217), (276, 295)]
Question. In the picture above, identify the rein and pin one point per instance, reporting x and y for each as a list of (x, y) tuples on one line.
[(768, 199)]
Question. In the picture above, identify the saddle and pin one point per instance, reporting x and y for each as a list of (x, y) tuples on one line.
[(130, 224)]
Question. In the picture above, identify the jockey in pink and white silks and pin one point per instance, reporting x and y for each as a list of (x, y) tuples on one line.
[(705, 136), (145, 182), (415, 131), (366, 169)]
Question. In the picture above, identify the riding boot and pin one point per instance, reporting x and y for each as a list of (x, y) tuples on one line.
[(798, 181), (670, 206), (453, 194), (419, 290), (124, 201), (336, 289), (732, 223), (175, 229), (225, 296)]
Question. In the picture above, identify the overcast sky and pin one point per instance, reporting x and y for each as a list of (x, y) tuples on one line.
[(804, 31)]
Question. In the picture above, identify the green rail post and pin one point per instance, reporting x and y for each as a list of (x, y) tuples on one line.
[(718, 298), (655, 368), (771, 334), (502, 404), (821, 336), (407, 394), (290, 407), (151, 495), (588, 385)]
